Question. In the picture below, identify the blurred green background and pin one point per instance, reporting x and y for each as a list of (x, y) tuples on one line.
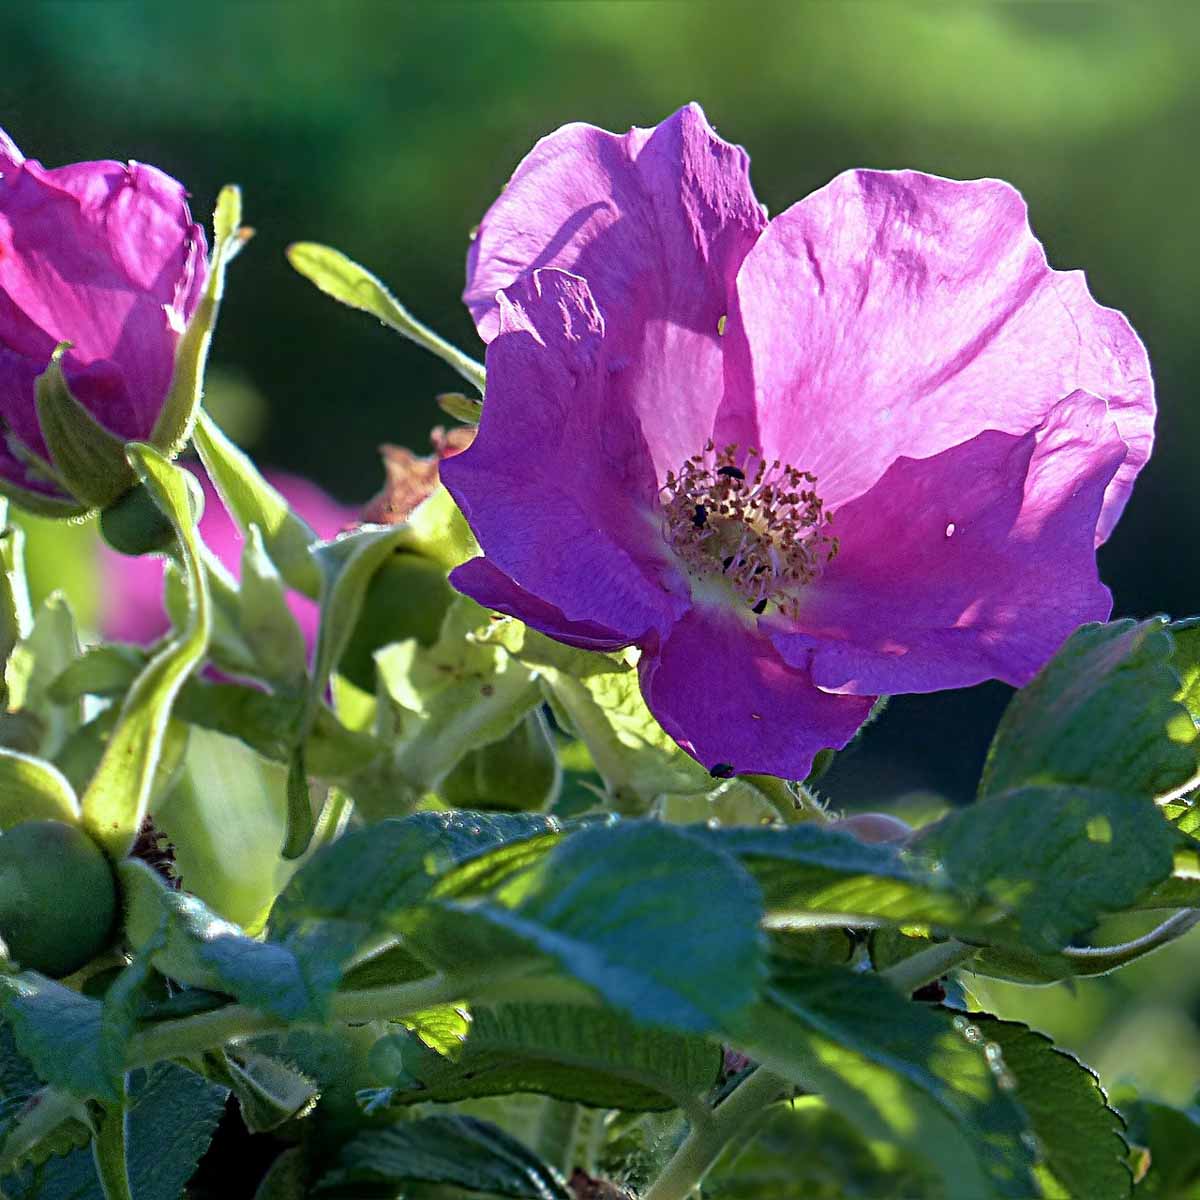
[(387, 128)]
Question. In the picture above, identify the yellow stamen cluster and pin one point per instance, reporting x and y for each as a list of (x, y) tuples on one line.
[(758, 525)]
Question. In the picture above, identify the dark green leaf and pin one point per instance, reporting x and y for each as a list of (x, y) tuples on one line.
[(1172, 1136), (660, 924), (471, 1154), (1102, 714), (587, 1055), (1079, 1137), (269, 1092), (899, 1071), (1056, 858)]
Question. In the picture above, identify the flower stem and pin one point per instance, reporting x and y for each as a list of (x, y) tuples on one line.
[(1099, 960), (794, 804), (704, 1143), (927, 965)]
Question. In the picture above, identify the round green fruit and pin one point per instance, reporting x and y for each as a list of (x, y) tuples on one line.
[(58, 897), (406, 598)]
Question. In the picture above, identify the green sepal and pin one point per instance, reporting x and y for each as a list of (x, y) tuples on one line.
[(88, 459), (175, 419), (34, 790)]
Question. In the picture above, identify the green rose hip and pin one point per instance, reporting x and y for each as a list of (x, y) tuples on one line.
[(58, 897)]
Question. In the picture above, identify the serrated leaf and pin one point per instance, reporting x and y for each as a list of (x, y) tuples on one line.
[(172, 1115), (899, 1072), (462, 1151), (362, 887), (811, 869), (58, 1031), (115, 801), (586, 1055), (33, 790), (659, 924), (1055, 858), (347, 282), (269, 1092), (1079, 1136), (251, 500), (200, 949), (1102, 713)]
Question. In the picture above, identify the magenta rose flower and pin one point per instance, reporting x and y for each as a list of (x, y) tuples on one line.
[(867, 447), (131, 608), (103, 255)]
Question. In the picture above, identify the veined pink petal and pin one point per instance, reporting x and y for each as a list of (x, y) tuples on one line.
[(898, 314), (973, 564), (105, 256), (658, 222), (724, 693), (558, 484)]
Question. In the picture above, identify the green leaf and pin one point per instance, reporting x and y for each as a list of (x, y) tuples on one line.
[(89, 460), (171, 1117), (52, 645), (15, 615), (33, 790), (658, 923), (251, 500), (451, 698), (810, 869), (267, 624), (287, 1178), (1080, 1138), (467, 1153), (1054, 858), (520, 771), (178, 413), (586, 1055), (58, 1031), (200, 949), (1172, 1136), (1103, 714), (637, 759), (269, 1092), (116, 799), (362, 887), (350, 284), (105, 670), (898, 1071), (807, 1151)]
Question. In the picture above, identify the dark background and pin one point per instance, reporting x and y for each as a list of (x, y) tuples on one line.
[(387, 129)]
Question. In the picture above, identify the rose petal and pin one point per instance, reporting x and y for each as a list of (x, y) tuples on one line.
[(724, 693), (897, 314), (658, 222), (558, 486), (973, 564), (480, 580)]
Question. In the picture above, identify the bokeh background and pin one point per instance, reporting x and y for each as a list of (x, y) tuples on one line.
[(387, 128)]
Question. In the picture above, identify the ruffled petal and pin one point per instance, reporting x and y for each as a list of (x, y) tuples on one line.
[(898, 314), (658, 222), (106, 257), (480, 580), (558, 485), (725, 694), (10, 156), (973, 564)]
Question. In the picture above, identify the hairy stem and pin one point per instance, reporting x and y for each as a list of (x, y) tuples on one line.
[(704, 1143)]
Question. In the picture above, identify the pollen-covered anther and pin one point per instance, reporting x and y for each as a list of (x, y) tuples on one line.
[(757, 524)]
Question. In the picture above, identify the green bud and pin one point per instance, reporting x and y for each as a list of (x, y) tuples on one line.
[(407, 598), (135, 524), (58, 897), (520, 771)]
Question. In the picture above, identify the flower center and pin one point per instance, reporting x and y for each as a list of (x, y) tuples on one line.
[(758, 525)]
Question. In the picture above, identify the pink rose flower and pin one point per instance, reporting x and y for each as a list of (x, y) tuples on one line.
[(103, 255), (867, 447)]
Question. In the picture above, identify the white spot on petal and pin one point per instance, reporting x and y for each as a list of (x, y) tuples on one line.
[(950, 529), (174, 318)]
